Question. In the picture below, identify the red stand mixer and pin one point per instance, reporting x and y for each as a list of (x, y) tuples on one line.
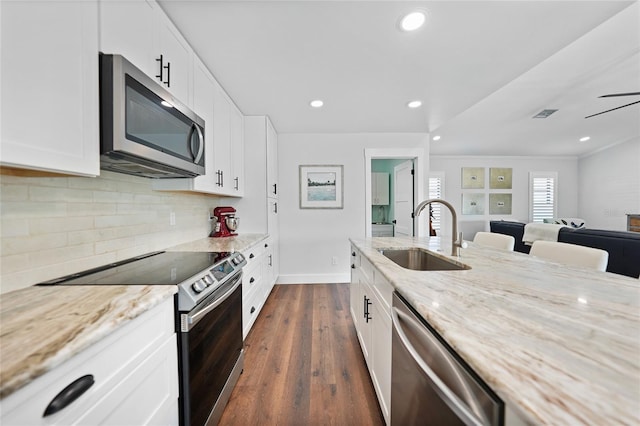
[(226, 222)]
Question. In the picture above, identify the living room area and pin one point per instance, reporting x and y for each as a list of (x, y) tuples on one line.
[(598, 193)]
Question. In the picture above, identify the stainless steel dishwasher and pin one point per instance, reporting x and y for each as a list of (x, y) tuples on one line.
[(430, 383)]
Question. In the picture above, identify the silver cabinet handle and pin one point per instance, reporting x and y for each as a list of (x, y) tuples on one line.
[(467, 414)]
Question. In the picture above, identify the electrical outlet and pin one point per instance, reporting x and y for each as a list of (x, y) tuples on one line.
[(334, 260), (172, 218)]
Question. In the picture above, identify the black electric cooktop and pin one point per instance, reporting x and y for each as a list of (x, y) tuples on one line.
[(158, 268)]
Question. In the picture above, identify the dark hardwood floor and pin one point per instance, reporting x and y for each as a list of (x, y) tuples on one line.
[(303, 364)]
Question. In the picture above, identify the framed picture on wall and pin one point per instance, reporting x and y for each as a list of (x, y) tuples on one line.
[(500, 203), (321, 187), (472, 177), (500, 177), (473, 203)]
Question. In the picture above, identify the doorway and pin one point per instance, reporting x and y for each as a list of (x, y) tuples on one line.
[(409, 189)]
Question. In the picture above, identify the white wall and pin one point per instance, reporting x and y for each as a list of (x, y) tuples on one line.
[(567, 168), (610, 186), (309, 239), (55, 226)]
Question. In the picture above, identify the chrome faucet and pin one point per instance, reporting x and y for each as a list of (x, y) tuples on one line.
[(455, 245)]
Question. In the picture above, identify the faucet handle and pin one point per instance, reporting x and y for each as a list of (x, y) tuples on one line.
[(463, 243)]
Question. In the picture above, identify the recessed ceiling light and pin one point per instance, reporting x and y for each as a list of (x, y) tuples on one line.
[(316, 103), (414, 104), (413, 21), (167, 104), (584, 139), (436, 138)]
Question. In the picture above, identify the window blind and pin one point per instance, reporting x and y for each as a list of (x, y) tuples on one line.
[(435, 191), (543, 197)]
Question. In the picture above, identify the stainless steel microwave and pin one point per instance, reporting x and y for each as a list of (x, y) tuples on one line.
[(144, 130)]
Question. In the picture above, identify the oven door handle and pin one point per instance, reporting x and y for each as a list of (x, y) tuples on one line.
[(188, 321)]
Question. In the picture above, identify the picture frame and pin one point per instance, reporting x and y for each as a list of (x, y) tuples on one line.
[(473, 203), (472, 177), (500, 178), (321, 186), (500, 203)]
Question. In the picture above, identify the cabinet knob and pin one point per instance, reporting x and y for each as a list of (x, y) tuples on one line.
[(251, 280), (251, 256), (353, 266), (353, 253), (253, 309), (266, 245)]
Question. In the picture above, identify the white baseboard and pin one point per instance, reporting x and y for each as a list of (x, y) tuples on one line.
[(313, 278)]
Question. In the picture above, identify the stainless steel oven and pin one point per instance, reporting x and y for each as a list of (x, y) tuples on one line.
[(208, 320), (211, 350)]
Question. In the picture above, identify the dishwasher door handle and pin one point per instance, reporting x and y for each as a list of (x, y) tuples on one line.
[(464, 412)]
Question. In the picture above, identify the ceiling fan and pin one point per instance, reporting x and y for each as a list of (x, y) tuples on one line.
[(614, 95)]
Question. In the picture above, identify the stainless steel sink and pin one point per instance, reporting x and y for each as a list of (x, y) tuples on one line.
[(419, 259)]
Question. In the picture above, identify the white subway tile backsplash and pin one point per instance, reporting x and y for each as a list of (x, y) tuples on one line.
[(14, 227), (27, 209), (17, 245), (60, 194), (57, 226), (44, 225)]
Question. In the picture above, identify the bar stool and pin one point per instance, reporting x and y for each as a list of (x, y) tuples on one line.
[(571, 254), (495, 240)]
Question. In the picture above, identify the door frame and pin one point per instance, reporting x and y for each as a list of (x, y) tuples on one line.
[(420, 166)]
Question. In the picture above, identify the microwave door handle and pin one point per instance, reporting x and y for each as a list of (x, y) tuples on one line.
[(198, 155), (464, 412)]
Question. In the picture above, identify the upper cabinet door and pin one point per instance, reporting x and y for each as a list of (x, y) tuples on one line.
[(237, 151), (127, 28), (272, 161), (49, 85), (177, 58), (140, 31)]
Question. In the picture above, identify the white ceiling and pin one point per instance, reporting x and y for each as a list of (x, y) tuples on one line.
[(481, 68)]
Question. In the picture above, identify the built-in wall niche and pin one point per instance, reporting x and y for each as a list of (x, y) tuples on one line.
[(475, 197)]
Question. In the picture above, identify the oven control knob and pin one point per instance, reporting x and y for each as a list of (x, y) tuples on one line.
[(208, 280), (198, 286)]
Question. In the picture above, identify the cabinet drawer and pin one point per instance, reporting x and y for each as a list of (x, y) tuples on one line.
[(367, 270), (250, 310), (253, 254), (251, 279), (111, 361), (384, 292)]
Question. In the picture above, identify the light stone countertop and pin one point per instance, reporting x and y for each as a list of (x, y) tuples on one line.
[(42, 327), (237, 243), (559, 345)]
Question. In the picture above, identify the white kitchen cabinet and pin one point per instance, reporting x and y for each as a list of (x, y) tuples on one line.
[(135, 373), (128, 28), (380, 189), (237, 151), (371, 311), (140, 31), (259, 207), (272, 160), (257, 281), (49, 85), (224, 140)]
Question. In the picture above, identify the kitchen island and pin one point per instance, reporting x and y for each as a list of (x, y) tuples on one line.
[(559, 345)]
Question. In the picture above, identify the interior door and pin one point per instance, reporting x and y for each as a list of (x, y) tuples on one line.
[(403, 201)]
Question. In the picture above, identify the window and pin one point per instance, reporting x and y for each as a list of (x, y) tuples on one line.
[(436, 189), (543, 196)]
